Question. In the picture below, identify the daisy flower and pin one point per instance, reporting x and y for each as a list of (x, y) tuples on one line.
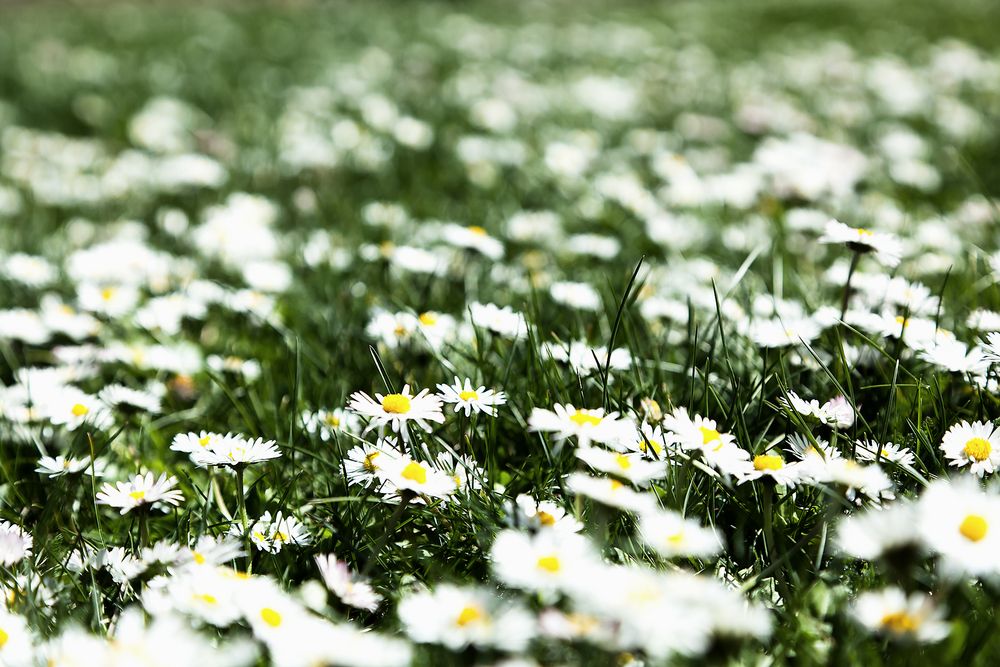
[(586, 425), (126, 399), (209, 550), (472, 238), (17, 648), (632, 467), (976, 445), (398, 410), (991, 347), (893, 613), (578, 295), (140, 491), (956, 357), (469, 399), (504, 322), (407, 474), (673, 536), (886, 247), (192, 443), (326, 423), (773, 467), (649, 439), (859, 481), (813, 456), (780, 332), (545, 562), (463, 470), (542, 515), (837, 412), (727, 457), (272, 534), (457, 617), (961, 522), (437, 328), (362, 463), (609, 492), (878, 532), (695, 433), (869, 450), (60, 465), (15, 543), (351, 589), (72, 408), (234, 451), (585, 359)]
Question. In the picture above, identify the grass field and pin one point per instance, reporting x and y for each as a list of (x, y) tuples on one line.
[(499, 334)]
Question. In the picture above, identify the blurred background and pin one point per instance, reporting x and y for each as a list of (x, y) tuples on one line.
[(280, 93)]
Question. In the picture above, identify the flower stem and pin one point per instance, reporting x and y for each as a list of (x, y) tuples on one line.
[(143, 528), (847, 285), (241, 499), (390, 526)]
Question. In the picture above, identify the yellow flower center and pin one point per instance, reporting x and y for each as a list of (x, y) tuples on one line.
[(676, 539), (767, 462), (476, 229), (428, 319), (79, 410), (978, 448), (646, 445), (270, 616), (623, 461), (584, 418), (468, 396), (137, 495), (396, 404), (3, 637), (865, 232), (108, 293), (332, 420), (545, 518), (206, 598), (198, 558), (549, 564), (709, 435), (468, 615), (615, 485), (204, 440), (414, 472), (900, 622), (974, 527), (902, 321), (652, 408), (369, 463)]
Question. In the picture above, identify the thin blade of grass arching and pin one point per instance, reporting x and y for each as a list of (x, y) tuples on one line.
[(733, 379), (836, 383), (692, 337), (940, 295), (250, 421), (890, 407), (381, 369), (296, 384), (614, 331)]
